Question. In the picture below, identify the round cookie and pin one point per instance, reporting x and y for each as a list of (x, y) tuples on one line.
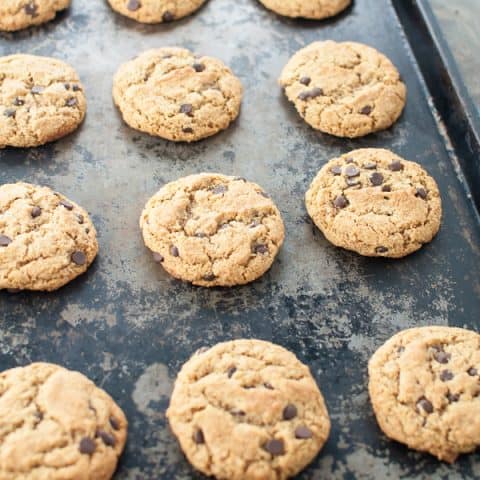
[(41, 100), (46, 240), (248, 409), (172, 94), (375, 203), (212, 230), (57, 425), (19, 14), (345, 89), (155, 11), (425, 389), (313, 9)]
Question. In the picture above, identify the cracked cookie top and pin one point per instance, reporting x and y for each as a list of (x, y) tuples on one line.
[(155, 11), (41, 100), (213, 230), (171, 93), (56, 424), (46, 240), (375, 203), (425, 389), (345, 89), (248, 409), (19, 14), (313, 9)]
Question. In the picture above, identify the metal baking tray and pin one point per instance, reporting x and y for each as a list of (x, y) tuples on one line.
[(129, 326)]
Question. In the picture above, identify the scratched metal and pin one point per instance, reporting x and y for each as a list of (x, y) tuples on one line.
[(129, 326)]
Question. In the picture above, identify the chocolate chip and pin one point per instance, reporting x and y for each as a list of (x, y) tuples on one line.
[(10, 112), (422, 193), (198, 67), (231, 371), (79, 258), (187, 130), (198, 437), (305, 81), (313, 93), (453, 397), (425, 405), (66, 204), (67, 86), (381, 250), (36, 212), (240, 179), (200, 235), (268, 386), (220, 189), (401, 349), (5, 241), (376, 179), (108, 438), (441, 356), (18, 102), (386, 188), (80, 218), (238, 413), (446, 375), (352, 171), (396, 166), (263, 194), (133, 5), (71, 102), (114, 423), (370, 166), (275, 447), (87, 446), (157, 257), (472, 371), (289, 412), (76, 88), (31, 9), (340, 202), (336, 170), (352, 182), (260, 248), (187, 109), (37, 90), (209, 278), (87, 230), (174, 251), (366, 110), (168, 16), (303, 433)]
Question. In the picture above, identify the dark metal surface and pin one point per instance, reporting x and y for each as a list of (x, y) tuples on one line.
[(129, 326)]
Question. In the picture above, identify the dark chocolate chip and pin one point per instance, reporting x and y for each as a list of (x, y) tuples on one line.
[(174, 251), (209, 278), (80, 218), (336, 170), (67, 86), (38, 415), (472, 371), (87, 446), (366, 110), (231, 371), (446, 375), (220, 189), (87, 230), (303, 433), (66, 204), (313, 93), (441, 356), (260, 248), (157, 257), (453, 397), (396, 166), (187, 109), (198, 437), (352, 182), (10, 112), (305, 81), (5, 241), (386, 188), (381, 250), (238, 413), (425, 405), (187, 130), (198, 67), (18, 102), (376, 179), (352, 171), (31, 9), (133, 5), (37, 90), (275, 447), (340, 202), (76, 88), (71, 102), (79, 258), (422, 193), (268, 386), (370, 166), (114, 423), (168, 16), (289, 412), (108, 438), (36, 212)]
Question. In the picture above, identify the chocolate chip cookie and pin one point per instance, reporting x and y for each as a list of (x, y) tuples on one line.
[(41, 100), (212, 230), (248, 409), (171, 93), (313, 9), (156, 11), (375, 203), (46, 240), (345, 89), (57, 425), (19, 14), (425, 390)]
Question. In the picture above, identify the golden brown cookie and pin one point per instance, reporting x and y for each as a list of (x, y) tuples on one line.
[(155, 11), (425, 389), (57, 425), (248, 410), (172, 94), (313, 9), (213, 230), (375, 203), (46, 240), (19, 14), (41, 100), (345, 89)]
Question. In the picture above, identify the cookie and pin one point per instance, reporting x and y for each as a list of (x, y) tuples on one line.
[(212, 230), (155, 11), (57, 425), (313, 9), (375, 203), (345, 89), (41, 100), (20, 14), (248, 410), (172, 94), (46, 240), (425, 390)]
